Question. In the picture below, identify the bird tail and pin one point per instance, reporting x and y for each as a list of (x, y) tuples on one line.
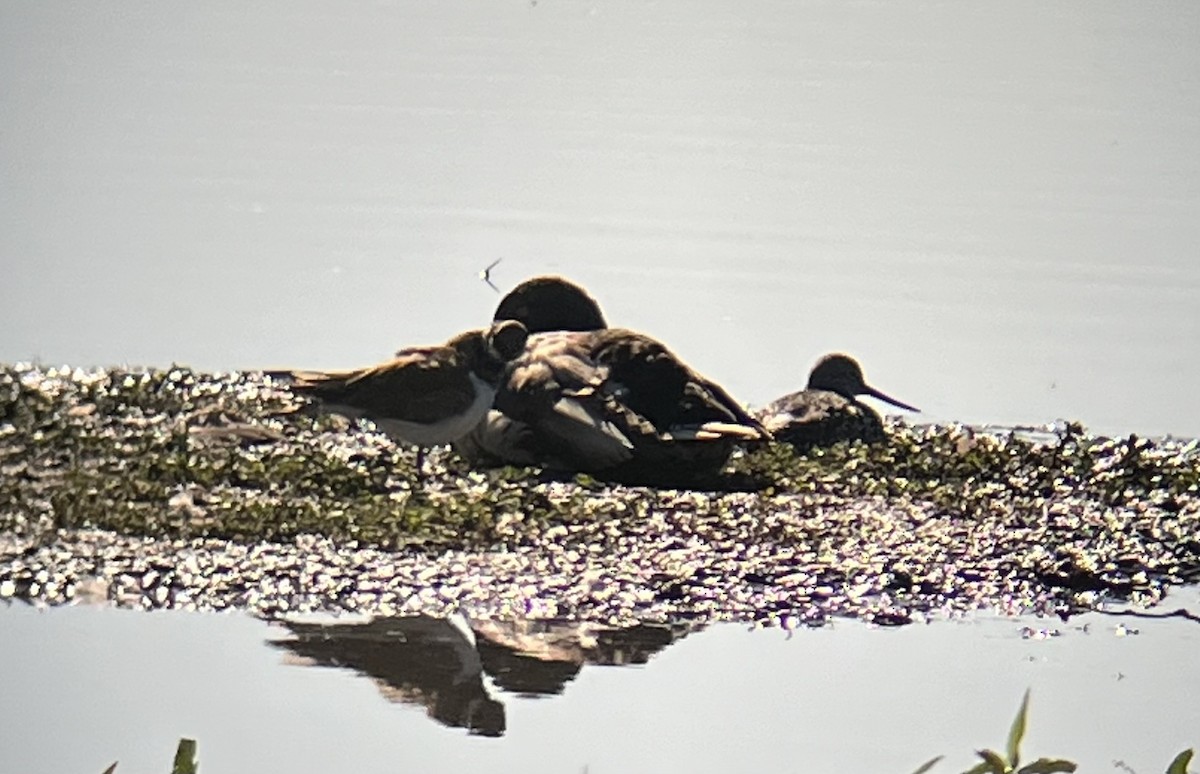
[(717, 431)]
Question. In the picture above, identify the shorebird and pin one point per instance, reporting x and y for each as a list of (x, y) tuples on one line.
[(424, 396), (607, 401), (828, 410), (550, 303)]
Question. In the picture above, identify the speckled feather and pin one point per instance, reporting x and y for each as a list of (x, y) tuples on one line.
[(425, 395), (611, 401), (827, 411)]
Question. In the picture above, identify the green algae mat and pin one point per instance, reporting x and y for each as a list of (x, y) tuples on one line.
[(142, 471)]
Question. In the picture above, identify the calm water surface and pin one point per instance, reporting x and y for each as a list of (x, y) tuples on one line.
[(86, 686), (997, 207)]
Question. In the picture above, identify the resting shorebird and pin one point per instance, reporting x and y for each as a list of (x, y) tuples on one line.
[(828, 410), (551, 303), (611, 402), (426, 395)]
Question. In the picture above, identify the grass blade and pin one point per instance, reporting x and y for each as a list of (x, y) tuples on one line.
[(926, 766), (1048, 766), (185, 757), (1180, 764), (992, 763), (1017, 733)]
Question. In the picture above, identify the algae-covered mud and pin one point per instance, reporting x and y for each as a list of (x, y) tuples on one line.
[(172, 488)]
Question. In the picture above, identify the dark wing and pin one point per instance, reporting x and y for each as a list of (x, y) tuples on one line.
[(552, 366), (615, 403), (555, 391), (661, 387), (419, 385), (642, 373)]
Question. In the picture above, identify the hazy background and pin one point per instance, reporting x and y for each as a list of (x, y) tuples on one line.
[(996, 207)]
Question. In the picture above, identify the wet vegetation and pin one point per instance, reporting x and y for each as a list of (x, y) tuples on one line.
[(1009, 762), (185, 759), (173, 453), (176, 453), (992, 762)]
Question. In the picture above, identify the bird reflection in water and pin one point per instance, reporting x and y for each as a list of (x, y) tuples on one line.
[(440, 663), (418, 660)]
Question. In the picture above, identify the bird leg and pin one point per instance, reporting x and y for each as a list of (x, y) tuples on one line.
[(420, 464)]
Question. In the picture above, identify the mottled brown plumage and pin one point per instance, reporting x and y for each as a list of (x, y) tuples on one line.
[(425, 395), (828, 411), (614, 403)]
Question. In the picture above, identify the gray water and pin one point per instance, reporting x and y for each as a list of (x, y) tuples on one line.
[(995, 206), (86, 686)]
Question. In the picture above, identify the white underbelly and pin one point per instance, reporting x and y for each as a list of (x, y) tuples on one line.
[(446, 430)]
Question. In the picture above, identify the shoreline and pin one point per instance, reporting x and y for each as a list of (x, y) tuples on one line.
[(170, 488)]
